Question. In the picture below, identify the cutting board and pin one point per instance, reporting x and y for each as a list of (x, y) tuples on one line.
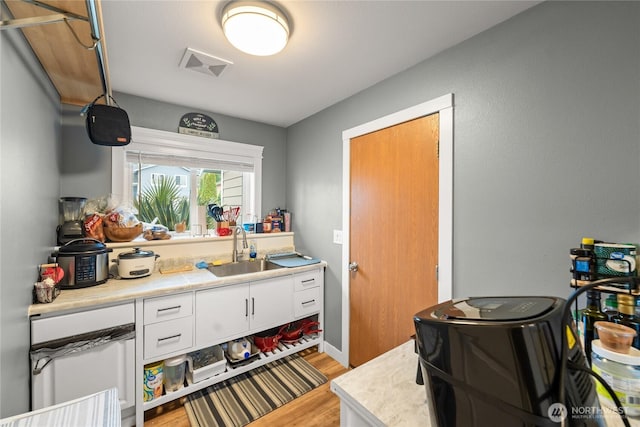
[(294, 261)]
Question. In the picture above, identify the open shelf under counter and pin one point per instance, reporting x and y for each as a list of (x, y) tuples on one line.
[(283, 350)]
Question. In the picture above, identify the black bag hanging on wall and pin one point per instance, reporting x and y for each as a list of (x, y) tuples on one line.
[(107, 125)]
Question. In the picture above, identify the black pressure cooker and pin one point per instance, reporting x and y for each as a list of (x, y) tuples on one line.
[(85, 263)]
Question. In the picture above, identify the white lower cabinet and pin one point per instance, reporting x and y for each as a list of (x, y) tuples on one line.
[(231, 311), (221, 312), (188, 321)]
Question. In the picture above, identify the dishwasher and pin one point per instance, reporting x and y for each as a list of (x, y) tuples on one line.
[(77, 354)]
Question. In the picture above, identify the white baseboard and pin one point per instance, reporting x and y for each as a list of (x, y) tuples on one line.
[(338, 355)]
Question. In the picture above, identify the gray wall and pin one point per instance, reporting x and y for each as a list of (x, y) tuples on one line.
[(29, 177), (546, 148), (93, 179), (547, 113)]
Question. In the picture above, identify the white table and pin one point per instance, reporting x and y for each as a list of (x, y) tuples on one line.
[(383, 392), (96, 410)]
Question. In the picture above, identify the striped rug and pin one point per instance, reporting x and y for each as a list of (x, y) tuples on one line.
[(242, 399)]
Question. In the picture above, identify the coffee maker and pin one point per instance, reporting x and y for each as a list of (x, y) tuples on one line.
[(71, 219)]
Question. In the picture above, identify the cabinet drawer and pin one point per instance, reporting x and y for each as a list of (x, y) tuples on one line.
[(66, 325), (167, 337), (306, 280), (167, 308), (307, 302)]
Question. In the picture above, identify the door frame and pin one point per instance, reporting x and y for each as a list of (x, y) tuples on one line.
[(444, 106)]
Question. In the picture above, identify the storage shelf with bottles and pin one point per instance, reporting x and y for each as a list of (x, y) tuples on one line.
[(629, 282), (283, 350)]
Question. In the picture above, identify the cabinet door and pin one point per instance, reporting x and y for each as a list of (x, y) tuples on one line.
[(271, 303), (221, 313)]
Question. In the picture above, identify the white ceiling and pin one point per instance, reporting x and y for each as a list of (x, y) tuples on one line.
[(336, 49)]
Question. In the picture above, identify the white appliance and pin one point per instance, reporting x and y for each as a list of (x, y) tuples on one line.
[(78, 354)]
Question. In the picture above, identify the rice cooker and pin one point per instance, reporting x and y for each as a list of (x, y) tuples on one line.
[(137, 263), (85, 263)]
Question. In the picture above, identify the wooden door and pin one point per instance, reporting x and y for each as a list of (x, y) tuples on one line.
[(393, 234)]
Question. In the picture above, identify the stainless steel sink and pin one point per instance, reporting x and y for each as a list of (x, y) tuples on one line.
[(242, 267)]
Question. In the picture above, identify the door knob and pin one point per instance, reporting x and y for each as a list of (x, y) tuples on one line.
[(353, 266)]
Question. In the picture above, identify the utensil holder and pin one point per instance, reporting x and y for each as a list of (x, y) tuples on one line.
[(222, 228)]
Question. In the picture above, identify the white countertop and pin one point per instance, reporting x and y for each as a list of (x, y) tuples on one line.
[(384, 391), (121, 290)]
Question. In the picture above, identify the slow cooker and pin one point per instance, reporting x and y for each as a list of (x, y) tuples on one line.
[(137, 263), (85, 263)]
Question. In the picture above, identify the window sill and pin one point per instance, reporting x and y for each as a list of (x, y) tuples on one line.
[(186, 238)]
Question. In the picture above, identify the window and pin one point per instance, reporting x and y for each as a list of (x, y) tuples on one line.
[(183, 174), (157, 177), (181, 180)]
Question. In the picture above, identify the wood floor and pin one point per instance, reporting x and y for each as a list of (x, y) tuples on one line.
[(317, 408)]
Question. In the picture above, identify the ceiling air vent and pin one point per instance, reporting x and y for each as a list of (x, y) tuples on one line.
[(203, 63)]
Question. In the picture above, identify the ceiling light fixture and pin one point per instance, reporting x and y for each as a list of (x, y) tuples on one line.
[(256, 28)]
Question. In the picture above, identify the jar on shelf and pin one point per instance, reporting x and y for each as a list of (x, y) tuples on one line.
[(582, 265)]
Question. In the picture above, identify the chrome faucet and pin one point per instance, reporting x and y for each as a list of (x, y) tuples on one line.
[(235, 254)]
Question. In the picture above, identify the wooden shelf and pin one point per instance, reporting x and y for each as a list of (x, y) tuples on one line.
[(607, 288), (283, 350)]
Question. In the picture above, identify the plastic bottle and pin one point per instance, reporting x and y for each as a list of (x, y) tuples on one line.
[(611, 307), (591, 315), (587, 243), (627, 316), (253, 250)]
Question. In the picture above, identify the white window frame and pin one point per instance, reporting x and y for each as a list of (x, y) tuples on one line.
[(177, 144)]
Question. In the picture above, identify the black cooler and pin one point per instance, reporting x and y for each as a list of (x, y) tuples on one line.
[(495, 361)]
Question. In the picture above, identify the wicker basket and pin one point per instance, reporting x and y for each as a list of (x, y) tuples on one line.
[(122, 234)]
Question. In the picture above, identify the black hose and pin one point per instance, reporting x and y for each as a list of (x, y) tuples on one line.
[(614, 281)]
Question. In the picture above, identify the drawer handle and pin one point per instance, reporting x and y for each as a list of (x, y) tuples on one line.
[(253, 306), (304, 282), (308, 302), (175, 307), (246, 307), (169, 338)]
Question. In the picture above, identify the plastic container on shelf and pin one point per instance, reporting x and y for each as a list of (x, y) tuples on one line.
[(622, 372), (614, 337), (174, 372), (152, 383), (205, 363)]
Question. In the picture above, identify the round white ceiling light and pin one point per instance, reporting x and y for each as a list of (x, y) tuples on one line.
[(256, 28)]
